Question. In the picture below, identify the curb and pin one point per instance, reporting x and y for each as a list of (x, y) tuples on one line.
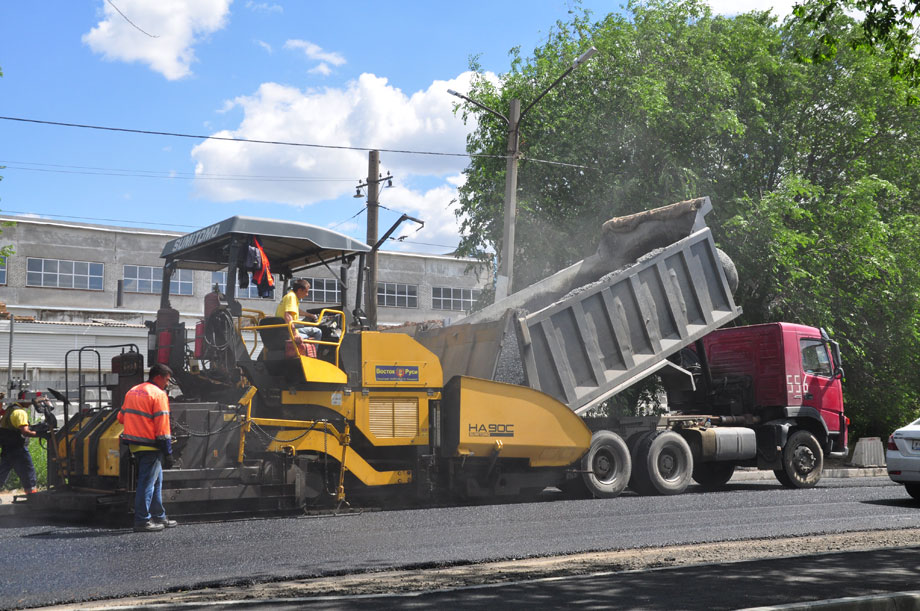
[(835, 473), (894, 601)]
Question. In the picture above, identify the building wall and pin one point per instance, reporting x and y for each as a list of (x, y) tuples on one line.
[(116, 247)]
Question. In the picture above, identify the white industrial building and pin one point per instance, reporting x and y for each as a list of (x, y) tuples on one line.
[(65, 276)]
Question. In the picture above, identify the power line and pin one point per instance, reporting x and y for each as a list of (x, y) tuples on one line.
[(40, 215), (349, 218), (422, 243), (125, 17), (97, 171), (247, 140), (283, 143), (148, 223)]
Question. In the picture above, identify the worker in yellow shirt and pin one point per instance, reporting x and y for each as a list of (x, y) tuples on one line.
[(289, 310), (14, 449)]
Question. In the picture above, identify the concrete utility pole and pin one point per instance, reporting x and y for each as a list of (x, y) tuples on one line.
[(506, 261), (514, 118), (373, 192)]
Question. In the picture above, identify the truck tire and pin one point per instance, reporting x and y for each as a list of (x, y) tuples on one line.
[(713, 475), (606, 467), (803, 461), (639, 482), (663, 464)]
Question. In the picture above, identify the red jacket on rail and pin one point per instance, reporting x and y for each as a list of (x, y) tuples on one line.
[(145, 415)]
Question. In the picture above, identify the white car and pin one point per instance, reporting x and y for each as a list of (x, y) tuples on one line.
[(903, 457)]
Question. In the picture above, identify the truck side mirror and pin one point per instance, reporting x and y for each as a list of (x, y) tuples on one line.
[(838, 373)]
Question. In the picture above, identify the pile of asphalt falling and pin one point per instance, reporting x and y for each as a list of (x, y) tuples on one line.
[(608, 277), (510, 367)]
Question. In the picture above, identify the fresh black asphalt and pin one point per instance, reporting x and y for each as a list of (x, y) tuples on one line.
[(54, 564)]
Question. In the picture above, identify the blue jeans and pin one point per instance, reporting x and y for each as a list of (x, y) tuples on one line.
[(15, 456), (148, 500), (311, 332)]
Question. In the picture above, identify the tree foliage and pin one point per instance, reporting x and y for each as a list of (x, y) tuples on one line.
[(889, 25), (812, 169)]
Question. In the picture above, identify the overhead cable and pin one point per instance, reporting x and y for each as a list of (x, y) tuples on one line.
[(97, 171), (247, 140), (283, 143)]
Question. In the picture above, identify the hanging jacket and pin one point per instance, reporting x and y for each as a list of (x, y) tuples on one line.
[(145, 415), (263, 277), (253, 260)]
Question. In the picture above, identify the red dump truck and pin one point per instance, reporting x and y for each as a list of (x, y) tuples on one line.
[(652, 302)]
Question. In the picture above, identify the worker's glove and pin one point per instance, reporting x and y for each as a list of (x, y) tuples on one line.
[(168, 461), (165, 445), (41, 430)]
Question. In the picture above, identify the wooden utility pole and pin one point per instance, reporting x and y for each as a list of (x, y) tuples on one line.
[(373, 192)]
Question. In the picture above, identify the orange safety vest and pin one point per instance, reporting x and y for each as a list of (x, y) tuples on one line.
[(145, 415)]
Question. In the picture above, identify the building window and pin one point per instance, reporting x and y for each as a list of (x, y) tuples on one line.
[(250, 292), (447, 298), (57, 273), (394, 295), (324, 290), (147, 279), (3, 271)]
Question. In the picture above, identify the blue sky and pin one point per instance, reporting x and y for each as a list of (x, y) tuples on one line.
[(354, 73)]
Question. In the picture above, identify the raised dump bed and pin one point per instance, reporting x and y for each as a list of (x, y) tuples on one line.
[(603, 337), (600, 325)]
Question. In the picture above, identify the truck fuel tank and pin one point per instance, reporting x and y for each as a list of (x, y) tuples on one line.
[(722, 443)]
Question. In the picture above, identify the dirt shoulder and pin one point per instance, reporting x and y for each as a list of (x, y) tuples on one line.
[(428, 579)]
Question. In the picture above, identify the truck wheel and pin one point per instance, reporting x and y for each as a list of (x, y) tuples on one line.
[(607, 466), (664, 463), (639, 482), (913, 490), (713, 475), (803, 461)]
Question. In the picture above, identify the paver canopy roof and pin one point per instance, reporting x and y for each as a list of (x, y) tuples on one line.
[(289, 245)]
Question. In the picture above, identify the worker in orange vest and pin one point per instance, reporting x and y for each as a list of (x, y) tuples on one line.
[(145, 416)]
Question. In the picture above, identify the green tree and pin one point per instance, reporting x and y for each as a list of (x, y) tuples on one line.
[(886, 24), (811, 167)]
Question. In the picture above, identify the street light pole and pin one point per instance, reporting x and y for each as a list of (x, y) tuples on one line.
[(514, 118), (506, 261)]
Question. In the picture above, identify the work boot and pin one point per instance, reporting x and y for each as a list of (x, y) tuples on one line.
[(148, 527), (166, 522)]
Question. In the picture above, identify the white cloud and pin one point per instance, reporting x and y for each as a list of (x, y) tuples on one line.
[(367, 112), (323, 68), (780, 8), (173, 28), (264, 7), (265, 46), (314, 51), (435, 207)]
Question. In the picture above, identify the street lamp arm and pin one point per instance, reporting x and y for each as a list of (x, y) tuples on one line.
[(579, 61), (482, 106), (545, 91)]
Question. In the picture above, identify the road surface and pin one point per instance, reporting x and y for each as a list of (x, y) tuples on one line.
[(55, 564)]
